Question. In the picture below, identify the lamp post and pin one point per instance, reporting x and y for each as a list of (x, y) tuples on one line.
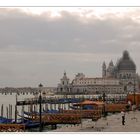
[(40, 111), (81, 115), (134, 103), (134, 92), (40, 107), (104, 100)]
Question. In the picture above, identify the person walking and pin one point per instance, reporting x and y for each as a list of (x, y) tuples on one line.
[(123, 117)]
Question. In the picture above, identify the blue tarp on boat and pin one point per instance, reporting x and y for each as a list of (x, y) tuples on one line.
[(5, 120), (88, 107), (52, 111)]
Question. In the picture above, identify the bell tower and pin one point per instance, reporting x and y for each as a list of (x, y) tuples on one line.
[(104, 70)]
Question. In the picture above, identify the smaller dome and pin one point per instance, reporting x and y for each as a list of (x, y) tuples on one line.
[(111, 63)]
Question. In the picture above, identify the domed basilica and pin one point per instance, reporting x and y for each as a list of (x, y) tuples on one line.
[(116, 79), (124, 70)]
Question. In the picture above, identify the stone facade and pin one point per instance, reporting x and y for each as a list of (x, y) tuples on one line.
[(64, 86), (96, 85), (118, 78)]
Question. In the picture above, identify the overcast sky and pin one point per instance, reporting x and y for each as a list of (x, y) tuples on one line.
[(38, 44)]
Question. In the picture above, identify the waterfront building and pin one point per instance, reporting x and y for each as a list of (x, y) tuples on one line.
[(27, 91), (116, 79), (96, 85)]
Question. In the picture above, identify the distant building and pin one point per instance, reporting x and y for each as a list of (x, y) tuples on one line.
[(28, 90), (118, 78), (64, 86)]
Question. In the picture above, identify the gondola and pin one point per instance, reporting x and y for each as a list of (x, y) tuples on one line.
[(4, 120), (28, 123), (33, 113), (52, 111), (73, 107)]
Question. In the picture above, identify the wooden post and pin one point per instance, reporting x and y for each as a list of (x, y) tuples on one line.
[(11, 112), (2, 110), (31, 109), (54, 106), (51, 106), (64, 106), (16, 110), (59, 107), (55, 126), (46, 107), (22, 113), (7, 113), (34, 108), (68, 106), (28, 108)]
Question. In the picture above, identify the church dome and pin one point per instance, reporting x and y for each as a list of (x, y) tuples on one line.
[(126, 63)]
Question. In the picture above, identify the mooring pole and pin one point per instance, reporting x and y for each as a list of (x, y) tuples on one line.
[(7, 114), (16, 110), (11, 112), (23, 113), (2, 110)]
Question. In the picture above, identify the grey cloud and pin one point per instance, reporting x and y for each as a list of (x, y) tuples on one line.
[(38, 48), (56, 35), (26, 31)]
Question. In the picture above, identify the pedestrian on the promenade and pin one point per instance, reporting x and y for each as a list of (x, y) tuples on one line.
[(133, 107), (123, 117), (130, 105)]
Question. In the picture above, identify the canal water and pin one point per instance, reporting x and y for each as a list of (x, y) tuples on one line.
[(10, 100)]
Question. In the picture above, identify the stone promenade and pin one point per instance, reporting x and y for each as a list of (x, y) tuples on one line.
[(112, 123)]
